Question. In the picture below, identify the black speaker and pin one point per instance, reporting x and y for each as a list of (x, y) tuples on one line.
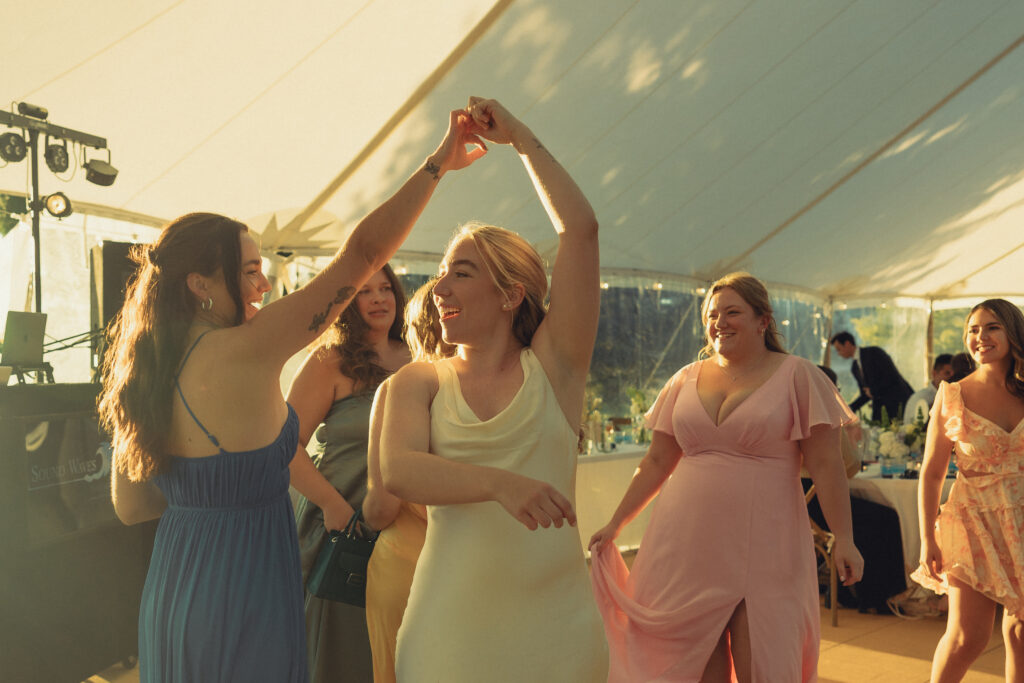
[(110, 269)]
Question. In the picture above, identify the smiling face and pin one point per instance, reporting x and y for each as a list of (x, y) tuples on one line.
[(731, 325), (986, 338), (467, 300), (253, 284), (376, 303)]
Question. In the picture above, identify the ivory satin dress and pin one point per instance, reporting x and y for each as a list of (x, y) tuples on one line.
[(491, 600), (729, 525)]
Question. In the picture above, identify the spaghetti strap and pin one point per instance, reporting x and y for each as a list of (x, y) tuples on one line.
[(177, 386)]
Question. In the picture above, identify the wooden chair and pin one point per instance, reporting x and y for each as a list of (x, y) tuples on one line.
[(824, 540)]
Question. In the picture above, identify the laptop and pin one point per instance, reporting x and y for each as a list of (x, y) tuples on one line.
[(23, 339)]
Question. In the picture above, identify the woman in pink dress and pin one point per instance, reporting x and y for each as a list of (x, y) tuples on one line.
[(724, 583), (973, 551)]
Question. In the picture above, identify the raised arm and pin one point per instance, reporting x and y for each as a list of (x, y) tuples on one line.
[(570, 327), (659, 462), (938, 449), (824, 462), (412, 473), (311, 395), (380, 508), (287, 325)]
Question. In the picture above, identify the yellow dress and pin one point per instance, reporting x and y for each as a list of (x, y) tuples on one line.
[(388, 578), (491, 600)]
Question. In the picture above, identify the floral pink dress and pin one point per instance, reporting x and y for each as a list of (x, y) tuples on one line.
[(729, 525), (980, 526)]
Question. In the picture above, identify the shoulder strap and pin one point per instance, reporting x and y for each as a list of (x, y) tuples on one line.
[(177, 385)]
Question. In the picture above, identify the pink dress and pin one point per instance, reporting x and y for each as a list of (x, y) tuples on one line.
[(729, 525), (981, 524)]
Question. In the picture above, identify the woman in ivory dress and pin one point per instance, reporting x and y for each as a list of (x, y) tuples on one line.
[(973, 550), (488, 441), (724, 583)]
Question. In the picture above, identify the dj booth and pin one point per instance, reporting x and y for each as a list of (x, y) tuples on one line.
[(71, 574)]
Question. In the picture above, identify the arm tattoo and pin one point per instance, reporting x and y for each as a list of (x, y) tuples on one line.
[(319, 319), (433, 169), (545, 150)]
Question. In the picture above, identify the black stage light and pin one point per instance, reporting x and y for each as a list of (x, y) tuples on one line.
[(12, 147), (33, 110), (58, 205), (56, 156), (100, 172)]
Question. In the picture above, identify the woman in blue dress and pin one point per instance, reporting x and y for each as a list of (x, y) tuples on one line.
[(203, 438)]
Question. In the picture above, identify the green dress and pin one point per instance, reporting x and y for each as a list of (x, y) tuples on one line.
[(337, 642)]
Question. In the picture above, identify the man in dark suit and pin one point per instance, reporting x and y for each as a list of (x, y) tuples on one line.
[(877, 377)]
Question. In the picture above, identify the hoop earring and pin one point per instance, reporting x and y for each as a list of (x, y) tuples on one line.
[(207, 305)]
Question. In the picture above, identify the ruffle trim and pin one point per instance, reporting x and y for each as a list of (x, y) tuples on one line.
[(975, 545), (953, 402), (1013, 603)]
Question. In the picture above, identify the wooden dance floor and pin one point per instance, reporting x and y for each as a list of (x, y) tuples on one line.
[(864, 648)]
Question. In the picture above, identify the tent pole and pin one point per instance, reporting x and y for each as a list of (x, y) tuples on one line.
[(830, 312), (929, 346)]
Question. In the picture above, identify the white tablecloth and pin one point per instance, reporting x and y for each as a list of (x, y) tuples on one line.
[(901, 496), (601, 481)]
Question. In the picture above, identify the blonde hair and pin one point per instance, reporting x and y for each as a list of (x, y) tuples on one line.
[(511, 260), (755, 294), (423, 326)]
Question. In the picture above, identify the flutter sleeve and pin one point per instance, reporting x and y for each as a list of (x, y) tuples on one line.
[(659, 417), (947, 410), (814, 400)]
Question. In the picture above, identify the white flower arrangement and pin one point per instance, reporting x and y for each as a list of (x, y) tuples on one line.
[(899, 440)]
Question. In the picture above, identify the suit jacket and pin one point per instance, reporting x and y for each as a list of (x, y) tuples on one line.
[(887, 386)]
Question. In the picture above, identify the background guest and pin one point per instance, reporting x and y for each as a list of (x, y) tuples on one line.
[(877, 377), (332, 394), (962, 365), (920, 402)]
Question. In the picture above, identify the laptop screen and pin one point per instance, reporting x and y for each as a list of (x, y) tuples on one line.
[(23, 338)]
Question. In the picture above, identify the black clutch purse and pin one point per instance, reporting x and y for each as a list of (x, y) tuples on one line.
[(339, 572)]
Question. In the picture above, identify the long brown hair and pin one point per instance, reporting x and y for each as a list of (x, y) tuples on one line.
[(146, 340), (347, 337), (1012, 320), (511, 260), (755, 294)]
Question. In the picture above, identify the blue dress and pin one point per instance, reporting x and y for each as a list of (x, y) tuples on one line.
[(223, 596)]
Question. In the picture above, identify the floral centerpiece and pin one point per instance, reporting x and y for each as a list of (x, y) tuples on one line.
[(639, 403), (899, 442), (593, 420)]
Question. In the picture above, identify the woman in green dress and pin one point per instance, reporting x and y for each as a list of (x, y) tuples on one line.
[(332, 394)]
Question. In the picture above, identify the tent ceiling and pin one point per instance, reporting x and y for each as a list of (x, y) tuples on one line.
[(855, 148)]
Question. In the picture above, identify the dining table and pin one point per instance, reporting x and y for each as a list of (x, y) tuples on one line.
[(601, 481), (901, 495)]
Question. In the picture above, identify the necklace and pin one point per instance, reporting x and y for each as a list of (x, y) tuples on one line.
[(729, 374)]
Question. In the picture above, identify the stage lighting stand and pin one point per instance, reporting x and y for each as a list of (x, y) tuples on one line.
[(35, 126)]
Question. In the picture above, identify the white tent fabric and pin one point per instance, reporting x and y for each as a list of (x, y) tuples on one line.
[(853, 148)]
